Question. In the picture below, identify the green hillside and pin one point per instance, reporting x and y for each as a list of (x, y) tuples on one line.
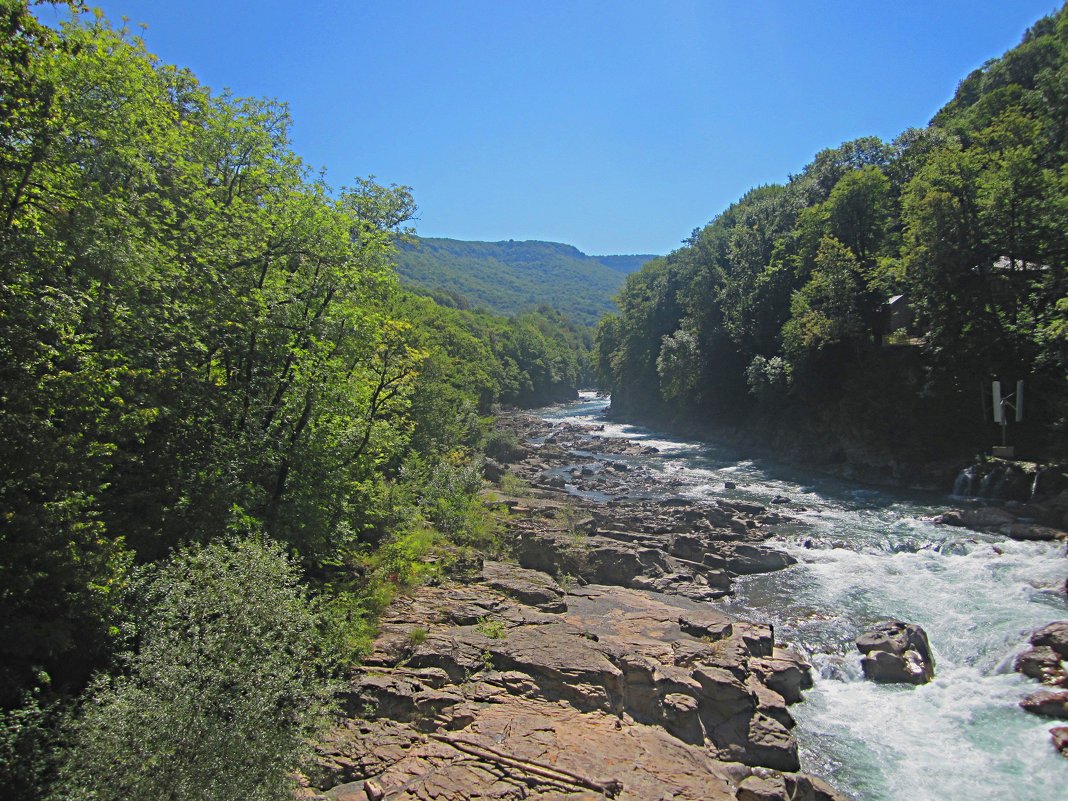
[(510, 277)]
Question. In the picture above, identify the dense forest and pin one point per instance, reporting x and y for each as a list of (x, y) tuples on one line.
[(863, 309), (228, 434), (513, 277)]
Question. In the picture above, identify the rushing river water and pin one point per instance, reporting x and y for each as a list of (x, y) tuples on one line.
[(866, 555)]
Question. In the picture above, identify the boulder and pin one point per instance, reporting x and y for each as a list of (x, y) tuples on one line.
[(1060, 738), (493, 471), (1054, 636), (722, 695), (800, 787), (746, 560), (706, 624), (983, 517), (771, 744), (770, 787), (741, 507), (680, 715), (896, 652), (1047, 704), (1031, 532), (1039, 662), (785, 672)]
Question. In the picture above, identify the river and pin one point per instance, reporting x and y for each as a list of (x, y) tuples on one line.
[(866, 555)]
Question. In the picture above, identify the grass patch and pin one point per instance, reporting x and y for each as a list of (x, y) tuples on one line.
[(512, 484), (493, 629)]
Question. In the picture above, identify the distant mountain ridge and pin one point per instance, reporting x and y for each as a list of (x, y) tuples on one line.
[(512, 276)]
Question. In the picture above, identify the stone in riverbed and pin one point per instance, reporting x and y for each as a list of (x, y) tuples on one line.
[(746, 559), (896, 652), (770, 787), (1032, 532), (1054, 636), (785, 672), (1039, 662), (1060, 738), (711, 625), (1047, 704), (800, 787)]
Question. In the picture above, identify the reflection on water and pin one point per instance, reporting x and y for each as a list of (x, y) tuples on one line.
[(869, 554)]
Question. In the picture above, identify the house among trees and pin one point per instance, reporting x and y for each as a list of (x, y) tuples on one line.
[(1005, 265), (896, 326), (896, 323)]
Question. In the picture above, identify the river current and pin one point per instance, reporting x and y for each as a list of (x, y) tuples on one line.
[(866, 555)]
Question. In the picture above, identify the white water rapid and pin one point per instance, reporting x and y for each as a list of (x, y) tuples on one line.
[(866, 555)]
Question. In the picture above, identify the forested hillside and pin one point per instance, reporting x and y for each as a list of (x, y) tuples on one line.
[(866, 305), (511, 277), (228, 435)]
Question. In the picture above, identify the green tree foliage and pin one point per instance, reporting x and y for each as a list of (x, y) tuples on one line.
[(827, 309), (218, 698), (199, 338), (782, 295)]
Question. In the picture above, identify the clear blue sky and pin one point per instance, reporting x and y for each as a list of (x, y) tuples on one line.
[(618, 127)]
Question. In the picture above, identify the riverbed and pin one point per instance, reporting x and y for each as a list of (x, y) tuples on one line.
[(866, 555)]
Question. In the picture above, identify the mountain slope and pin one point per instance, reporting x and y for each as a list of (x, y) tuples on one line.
[(511, 276)]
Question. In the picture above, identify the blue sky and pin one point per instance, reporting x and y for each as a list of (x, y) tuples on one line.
[(618, 127)]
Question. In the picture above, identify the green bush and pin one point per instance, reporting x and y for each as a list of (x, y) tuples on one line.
[(224, 687), (502, 445), (446, 493), (350, 608)]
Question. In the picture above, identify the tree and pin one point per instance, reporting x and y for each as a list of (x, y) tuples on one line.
[(826, 311), (859, 211)]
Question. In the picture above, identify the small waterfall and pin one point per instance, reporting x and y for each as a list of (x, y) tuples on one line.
[(990, 482), (996, 482), (966, 484)]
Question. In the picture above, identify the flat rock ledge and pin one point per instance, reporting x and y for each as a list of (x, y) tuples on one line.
[(1018, 523), (595, 667), (471, 693)]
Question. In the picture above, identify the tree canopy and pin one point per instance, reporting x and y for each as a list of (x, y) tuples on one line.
[(202, 340), (776, 315)]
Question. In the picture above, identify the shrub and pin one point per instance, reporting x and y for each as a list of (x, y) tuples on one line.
[(222, 690), (502, 445), (768, 379), (447, 490)]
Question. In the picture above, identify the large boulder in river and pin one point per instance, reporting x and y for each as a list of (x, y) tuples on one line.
[(1047, 704), (896, 652), (1054, 636), (1048, 649), (1039, 662)]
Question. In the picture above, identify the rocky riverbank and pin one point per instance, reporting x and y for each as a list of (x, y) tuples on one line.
[(593, 668)]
